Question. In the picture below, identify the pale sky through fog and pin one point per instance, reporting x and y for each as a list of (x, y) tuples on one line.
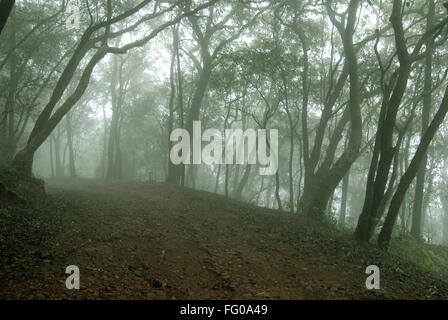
[(159, 50)]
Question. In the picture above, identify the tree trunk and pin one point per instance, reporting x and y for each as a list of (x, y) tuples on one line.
[(277, 191), (47, 119), (23, 161), (343, 211), (113, 153), (173, 176), (291, 158), (217, 179), (444, 200), (386, 232), (71, 152), (384, 151), (11, 101), (5, 9), (176, 173), (243, 182), (57, 153), (226, 181), (51, 157), (417, 217), (326, 186)]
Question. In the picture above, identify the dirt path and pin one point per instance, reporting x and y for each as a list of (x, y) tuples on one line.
[(155, 241)]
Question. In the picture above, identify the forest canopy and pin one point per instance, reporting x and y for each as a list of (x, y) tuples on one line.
[(357, 91)]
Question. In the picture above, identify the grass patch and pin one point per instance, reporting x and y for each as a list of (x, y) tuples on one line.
[(430, 258)]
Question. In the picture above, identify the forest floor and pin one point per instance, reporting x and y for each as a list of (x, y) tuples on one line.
[(155, 241)]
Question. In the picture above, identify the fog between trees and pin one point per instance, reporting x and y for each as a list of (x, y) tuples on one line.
[(356, 89)]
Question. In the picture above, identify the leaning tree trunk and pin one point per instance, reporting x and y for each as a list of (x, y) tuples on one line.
[(417, 216), (48, 119), (386, 232), (23, 161), (5, 9), (384, 150)]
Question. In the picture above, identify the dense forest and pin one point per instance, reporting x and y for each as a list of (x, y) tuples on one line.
[(337, 109)]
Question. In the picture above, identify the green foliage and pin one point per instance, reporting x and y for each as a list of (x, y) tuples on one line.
[(430, 258), (4, 211)]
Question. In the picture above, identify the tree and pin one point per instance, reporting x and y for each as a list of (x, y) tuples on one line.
[(5, 10), (330, 178), (206, 33), (48, 119), (384, 151), (405, 181), (417, 213)]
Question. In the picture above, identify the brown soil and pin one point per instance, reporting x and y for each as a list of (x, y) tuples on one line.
[(156, 241)]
